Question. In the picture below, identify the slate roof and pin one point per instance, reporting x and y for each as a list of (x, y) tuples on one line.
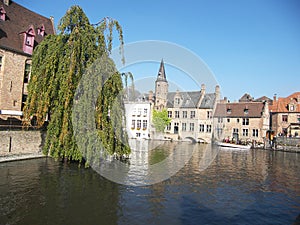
[(240, 109), (246, 98), (18, 20), (281, 104), (263, 99), (190, 99), (208, 101), (161, 76)]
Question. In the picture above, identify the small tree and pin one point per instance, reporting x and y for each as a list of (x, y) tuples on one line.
[(160, 120)]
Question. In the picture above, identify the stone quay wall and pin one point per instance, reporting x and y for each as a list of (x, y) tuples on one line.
[(21, 142)]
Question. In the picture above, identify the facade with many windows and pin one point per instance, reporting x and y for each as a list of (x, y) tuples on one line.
[(191, 112), (138, 115), (21, 31), (241, 121)]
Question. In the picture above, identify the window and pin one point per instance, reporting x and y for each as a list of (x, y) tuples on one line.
[(228, 110), (1, 57), (184, 114), (235, 130), (208, 128), (145, 123), (237, 120), (177, 101), (298, 118), (176, 114), (291, 107), (284, 118), (138, 135), (132, 124), (176, 128), (245, 121), (27, 72), (192, 114), (191, 126), (228, 120), (169, 126), (138, 124), (170, 114), (209, 114), (139, 112), (183, 127), (220, 120), (29, 40), (201, 128), (41, 30), (245, 132), (255, 132), (145, 112), (246, 111), (24, 98), (2, 14)]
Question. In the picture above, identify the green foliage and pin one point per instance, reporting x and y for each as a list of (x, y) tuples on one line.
[(58, 64), (160, 120)]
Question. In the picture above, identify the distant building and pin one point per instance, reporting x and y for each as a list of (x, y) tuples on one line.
[(285, 115), (244, 121), (21, 30), (138, 117), (191, 112)]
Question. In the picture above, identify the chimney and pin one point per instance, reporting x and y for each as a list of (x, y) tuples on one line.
[(203, 88), (150, 96), (217, 91), (6, 2), (274, 98)]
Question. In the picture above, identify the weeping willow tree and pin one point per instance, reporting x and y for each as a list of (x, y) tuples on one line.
[(58, 64)]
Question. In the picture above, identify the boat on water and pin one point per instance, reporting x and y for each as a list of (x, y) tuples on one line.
[(233, 146)]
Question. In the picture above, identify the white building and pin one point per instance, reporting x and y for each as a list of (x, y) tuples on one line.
[(138, 117)]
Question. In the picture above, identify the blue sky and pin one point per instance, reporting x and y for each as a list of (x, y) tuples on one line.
[(250, 46)]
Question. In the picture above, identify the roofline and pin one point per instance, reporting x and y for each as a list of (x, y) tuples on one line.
[(15, 51), (29, 9)]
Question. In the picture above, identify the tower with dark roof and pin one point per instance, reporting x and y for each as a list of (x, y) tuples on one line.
[(161, 88)]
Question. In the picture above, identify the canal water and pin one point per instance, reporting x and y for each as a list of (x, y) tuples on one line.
[(216, 186)]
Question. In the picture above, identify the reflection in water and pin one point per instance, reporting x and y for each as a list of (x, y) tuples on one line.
[(214, 187)]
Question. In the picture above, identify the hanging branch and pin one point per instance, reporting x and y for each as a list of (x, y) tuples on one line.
[(58, 64)]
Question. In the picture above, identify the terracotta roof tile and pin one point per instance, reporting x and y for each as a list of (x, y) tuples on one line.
[(281, 104)]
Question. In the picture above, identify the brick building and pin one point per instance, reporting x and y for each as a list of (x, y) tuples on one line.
[(21, 30), (246, 121), (285, 115)]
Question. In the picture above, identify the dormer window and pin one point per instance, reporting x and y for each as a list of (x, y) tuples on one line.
[(29, 40), (2, 14), (291, 107), (246, 111), (177, 101), (228, 110), (41, 30)]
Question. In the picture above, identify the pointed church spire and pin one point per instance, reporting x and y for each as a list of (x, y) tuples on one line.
[(161, 73)]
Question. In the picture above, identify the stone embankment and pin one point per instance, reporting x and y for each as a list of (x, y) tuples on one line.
[(21, 144)]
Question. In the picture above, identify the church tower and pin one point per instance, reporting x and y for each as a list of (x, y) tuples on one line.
[(161, 88)]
